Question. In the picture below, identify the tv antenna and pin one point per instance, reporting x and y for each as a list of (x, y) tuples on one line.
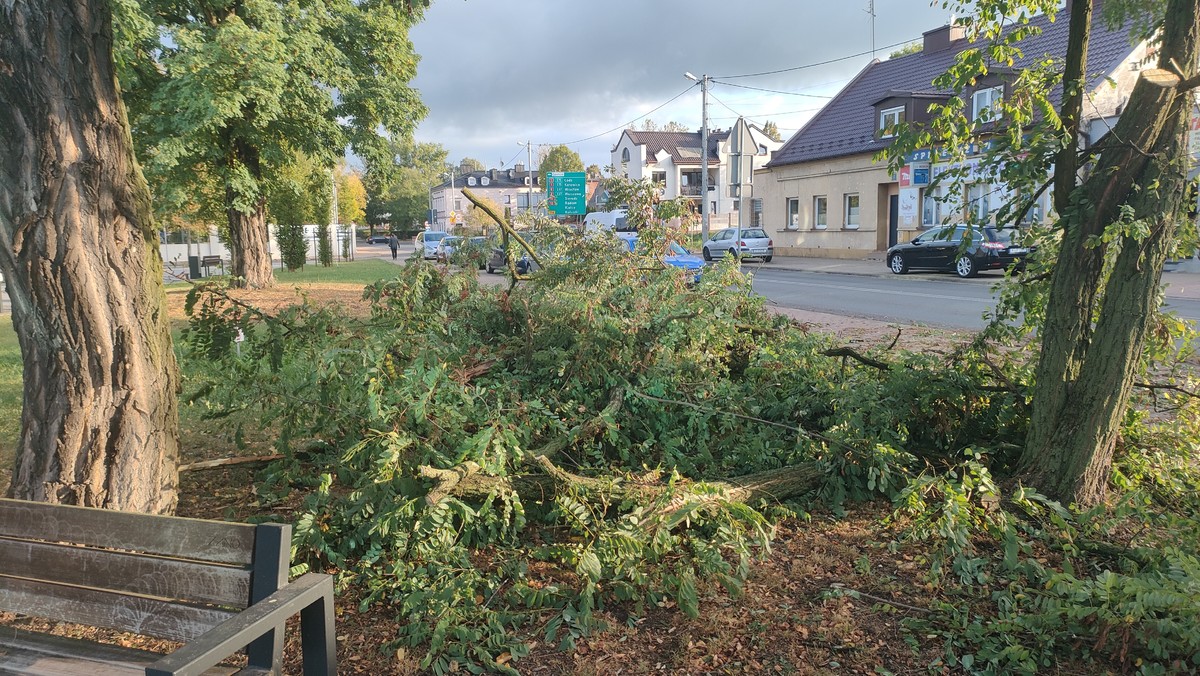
[(870, 10)]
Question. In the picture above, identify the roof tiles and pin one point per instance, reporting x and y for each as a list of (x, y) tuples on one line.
[(847, 124)]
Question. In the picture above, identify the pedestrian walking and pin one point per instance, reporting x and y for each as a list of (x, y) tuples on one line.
[(394, 245)]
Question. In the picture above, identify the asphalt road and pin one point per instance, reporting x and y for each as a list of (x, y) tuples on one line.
[(930, 299), (935, 300)]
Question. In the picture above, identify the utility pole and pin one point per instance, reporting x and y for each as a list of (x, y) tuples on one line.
[(703, 80), (528, 175)]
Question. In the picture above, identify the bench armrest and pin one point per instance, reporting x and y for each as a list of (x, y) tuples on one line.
[(310, 595)]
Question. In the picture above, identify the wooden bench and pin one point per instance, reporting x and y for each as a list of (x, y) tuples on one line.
[(215, 587)]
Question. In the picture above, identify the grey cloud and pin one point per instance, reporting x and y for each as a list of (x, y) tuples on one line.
[(495, 73)]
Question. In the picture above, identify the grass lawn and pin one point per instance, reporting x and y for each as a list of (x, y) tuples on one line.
[(10, 391)]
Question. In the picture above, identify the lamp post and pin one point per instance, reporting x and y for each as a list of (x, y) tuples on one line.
[(528, 173), (703, 80)]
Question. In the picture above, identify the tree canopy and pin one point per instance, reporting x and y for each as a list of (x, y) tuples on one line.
[(230, 91), (559, 158)]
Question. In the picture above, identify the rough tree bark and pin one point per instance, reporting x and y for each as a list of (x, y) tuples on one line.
[(1093, 336), (78, 247), (249, 240)]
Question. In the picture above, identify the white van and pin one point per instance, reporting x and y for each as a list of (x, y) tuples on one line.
[(606, 220)]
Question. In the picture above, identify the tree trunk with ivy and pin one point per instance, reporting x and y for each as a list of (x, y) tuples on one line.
[(79, 252), (1094, 330)]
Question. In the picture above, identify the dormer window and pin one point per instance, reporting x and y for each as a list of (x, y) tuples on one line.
[(985, 104), (471, 180), (889, 119)]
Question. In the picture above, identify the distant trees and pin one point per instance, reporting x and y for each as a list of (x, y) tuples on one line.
[(649, 124), (351, 196), (249, 84), (468, 164), (400, 184), (559, 158), (772, 131)]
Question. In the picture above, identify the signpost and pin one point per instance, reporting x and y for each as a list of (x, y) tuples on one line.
[(566, 193)]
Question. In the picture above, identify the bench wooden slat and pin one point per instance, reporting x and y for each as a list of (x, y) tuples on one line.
[(27, 652), (172, 579), (177, 537), (137, 614)]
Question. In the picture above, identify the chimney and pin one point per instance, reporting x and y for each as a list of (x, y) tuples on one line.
[(519, 168), (492, 173), (940, 39)]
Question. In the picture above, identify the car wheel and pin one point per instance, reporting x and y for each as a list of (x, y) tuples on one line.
[(490, 269), (965, 267), (733, 254), (707, 254), (767, 259), (898, 264)]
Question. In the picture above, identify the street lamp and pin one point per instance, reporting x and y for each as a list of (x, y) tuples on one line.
[(703, 80), (528, 173)]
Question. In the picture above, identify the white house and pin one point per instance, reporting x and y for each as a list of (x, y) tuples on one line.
[(673, 159)]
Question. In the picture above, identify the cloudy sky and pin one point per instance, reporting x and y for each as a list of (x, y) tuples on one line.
[(494, 74)]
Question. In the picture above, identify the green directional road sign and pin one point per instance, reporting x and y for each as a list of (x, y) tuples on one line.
[(566, 192)]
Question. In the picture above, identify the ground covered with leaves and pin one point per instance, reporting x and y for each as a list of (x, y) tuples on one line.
[(606, 470)]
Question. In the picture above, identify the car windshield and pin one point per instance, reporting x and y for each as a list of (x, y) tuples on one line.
[(450, 241), (434, 236), (676, 250), (1002, 236), (754, 233)]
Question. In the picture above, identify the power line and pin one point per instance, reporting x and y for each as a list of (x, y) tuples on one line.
[(623, 126), (773, 91), (810, 65)]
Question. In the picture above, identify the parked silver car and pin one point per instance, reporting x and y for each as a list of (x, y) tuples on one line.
[(746, 243)]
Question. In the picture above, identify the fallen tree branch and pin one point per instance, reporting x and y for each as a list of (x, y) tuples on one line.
[(854, 594), (714, 411), (447, 479), (616, 398), (771, 486), (857, 356), (1174, 388), (225, 462)]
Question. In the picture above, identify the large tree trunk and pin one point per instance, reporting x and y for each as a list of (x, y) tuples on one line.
[(99, 425), (1086, 369), (249, 245)]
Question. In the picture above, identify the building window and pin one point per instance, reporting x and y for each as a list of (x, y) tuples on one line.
[(985, 104), (931, 207), (756, 218), (508, 199), (979, 202), (793, 213), (625, 155), (659, 178), (851, 210), (820, 212), (888, 119), (457, 204)]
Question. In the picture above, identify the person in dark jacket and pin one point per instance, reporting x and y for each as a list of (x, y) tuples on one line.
[(393, 244)]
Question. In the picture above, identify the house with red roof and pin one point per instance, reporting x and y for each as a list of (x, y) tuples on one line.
[(825, 195)]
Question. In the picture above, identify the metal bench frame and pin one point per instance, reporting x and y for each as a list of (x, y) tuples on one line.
[(217, 587)]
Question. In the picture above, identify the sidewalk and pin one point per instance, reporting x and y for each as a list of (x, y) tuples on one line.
[(1182, 278)]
